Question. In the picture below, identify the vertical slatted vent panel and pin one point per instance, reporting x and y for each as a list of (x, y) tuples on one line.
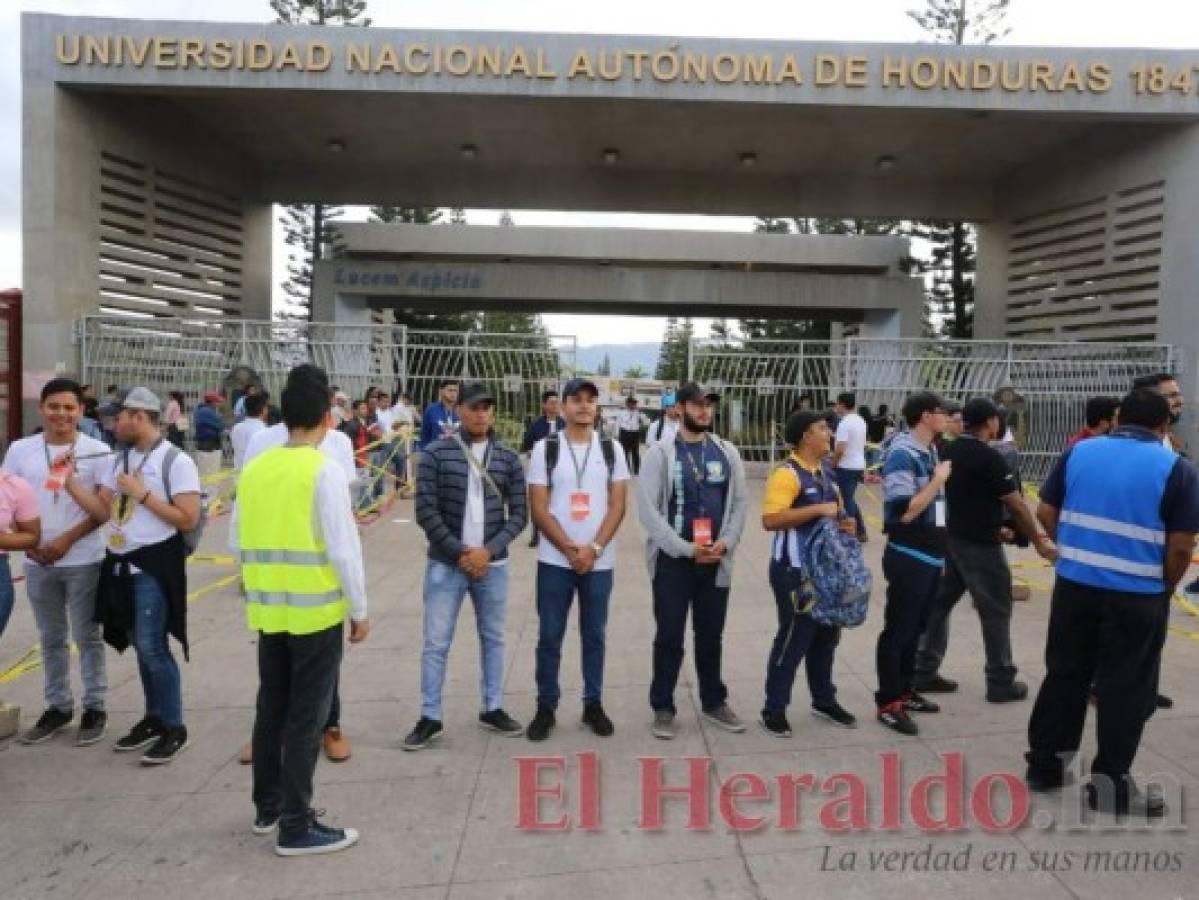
[(1089, 271), (169, 246)]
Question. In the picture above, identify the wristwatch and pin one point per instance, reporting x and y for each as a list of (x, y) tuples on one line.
[(598, 548)]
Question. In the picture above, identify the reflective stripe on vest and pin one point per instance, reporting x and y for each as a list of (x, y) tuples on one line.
[(1110, 531), (290, 585)]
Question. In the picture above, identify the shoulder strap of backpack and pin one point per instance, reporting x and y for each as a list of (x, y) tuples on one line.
[(609, 450), (168, 460), (552, 447)]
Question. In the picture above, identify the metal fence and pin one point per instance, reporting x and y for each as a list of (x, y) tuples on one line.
[(1045, 385), (196, 355)]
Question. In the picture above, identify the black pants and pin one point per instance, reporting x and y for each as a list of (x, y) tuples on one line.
[(798, 639), (1118, 639), (679, 585), (911, 587), (982, 570), (630, 442), (297, 675)]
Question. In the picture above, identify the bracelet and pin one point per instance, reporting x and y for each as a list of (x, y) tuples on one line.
[(145, 497)]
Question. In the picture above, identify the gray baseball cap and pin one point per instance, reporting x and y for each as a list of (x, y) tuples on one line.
[(140, 398)]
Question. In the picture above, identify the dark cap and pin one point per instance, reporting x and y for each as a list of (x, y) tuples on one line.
[(575, 385), (693, 393), (475, 392), (797, 426), (977, 411)]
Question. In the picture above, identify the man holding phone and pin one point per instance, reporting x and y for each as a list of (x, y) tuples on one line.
[(691, 500)]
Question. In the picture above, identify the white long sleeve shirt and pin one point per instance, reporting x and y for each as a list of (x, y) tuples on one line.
[(333, 522)]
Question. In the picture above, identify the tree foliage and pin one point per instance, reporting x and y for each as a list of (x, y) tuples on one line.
[(963, 21), (674, 354)]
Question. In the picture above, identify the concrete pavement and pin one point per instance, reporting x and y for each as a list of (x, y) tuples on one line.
[(442, 823)]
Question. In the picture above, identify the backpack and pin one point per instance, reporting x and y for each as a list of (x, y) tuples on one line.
[(191, 537), (839, 576), (553, 447)]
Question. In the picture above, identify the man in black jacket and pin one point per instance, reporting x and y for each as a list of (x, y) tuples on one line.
[(470, 502)]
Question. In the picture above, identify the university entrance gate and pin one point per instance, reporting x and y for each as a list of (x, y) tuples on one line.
[(761, 381)]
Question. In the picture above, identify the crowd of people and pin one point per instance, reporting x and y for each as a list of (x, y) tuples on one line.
[(106, 534)]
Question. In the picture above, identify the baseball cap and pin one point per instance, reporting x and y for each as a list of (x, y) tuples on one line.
[(140, 398), (213, 397), (475, 392), (692, 392), (575, 385), (978, 410)]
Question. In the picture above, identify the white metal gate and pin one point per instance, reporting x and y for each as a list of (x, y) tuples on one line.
[(195, 355), (764, 380)]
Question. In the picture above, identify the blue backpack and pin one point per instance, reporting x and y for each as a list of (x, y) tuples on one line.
[(839, 576)]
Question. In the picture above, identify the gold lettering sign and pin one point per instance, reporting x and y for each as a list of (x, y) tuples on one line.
[(971, 74)]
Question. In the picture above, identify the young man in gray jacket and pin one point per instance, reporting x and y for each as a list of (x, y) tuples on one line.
[(692, 503), (470, 502)]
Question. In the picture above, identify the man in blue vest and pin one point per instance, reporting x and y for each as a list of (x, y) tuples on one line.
[(1124, 512)]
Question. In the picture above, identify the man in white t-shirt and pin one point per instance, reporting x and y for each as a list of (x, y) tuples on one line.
[(666, 429), (338, 448), (61, 573), (849, 456), (577, 486), (630, 422), (142, 597), (256, 410)]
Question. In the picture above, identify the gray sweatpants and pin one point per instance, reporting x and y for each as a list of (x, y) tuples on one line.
[(64, 601)]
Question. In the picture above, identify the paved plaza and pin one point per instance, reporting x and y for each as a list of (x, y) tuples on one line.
[(442, 823)]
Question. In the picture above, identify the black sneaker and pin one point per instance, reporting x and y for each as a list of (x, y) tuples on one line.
[(597, 720), (835, 713), (1044, 781), (317, 838), (91, 727), (913, 702), (143, 734), (426, 731), (265, 824), (895, 717), (1127, 799), (934, 684), (1008, 693), (542, 724), (51, 722), (166, 748), (500, 722), (1164, 702), (775, 724)]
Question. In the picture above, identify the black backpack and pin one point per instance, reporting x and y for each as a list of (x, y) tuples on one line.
[(553, 447)]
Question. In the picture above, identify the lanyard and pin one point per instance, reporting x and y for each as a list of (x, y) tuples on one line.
[(700, 472), (123, 504), (579, 470)]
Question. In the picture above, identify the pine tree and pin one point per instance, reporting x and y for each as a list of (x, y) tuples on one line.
[(457, 216), (605, 366), (953, 254), (410, 215), (506, 218), (675, 352), (308, 228)]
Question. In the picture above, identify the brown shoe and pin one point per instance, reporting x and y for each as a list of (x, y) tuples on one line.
[(337, 748), (246, 755), (1021, 592)]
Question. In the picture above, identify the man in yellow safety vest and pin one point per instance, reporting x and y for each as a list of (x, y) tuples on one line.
[(302, 569)]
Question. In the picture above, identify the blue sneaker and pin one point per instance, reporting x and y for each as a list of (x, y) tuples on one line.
[(315, 839)]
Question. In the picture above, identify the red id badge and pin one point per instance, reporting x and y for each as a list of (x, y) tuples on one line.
[(57, 477), (701, 531), (580, 506)]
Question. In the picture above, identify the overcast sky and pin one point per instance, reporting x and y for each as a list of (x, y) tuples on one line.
[(1079, 23)]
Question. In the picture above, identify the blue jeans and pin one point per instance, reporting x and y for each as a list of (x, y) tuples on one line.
[(848, 480), (446, 587), (8, 596), (64, 605), (798, 639), (157, 667), (556, 587)]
